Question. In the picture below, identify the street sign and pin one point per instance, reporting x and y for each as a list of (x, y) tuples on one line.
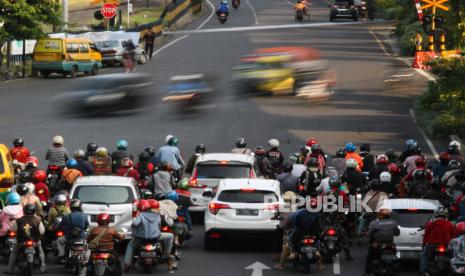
[(130, 7), (435, 4), (108, 10)]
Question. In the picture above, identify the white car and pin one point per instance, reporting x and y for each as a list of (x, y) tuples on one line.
[(411, 215), (242, 208), (115, 195), (211, 168)]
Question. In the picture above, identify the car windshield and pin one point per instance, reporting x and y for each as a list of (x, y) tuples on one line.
[(412, 218), (93, 194), (108, 44), (238, 196), (220, 171)]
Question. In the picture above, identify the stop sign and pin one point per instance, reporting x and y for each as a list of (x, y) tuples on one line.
[(108, 10)]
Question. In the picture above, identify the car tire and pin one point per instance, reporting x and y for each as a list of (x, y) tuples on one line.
[(143, 58), (94, 70), (74, 71), (209, 244), (44, 74)]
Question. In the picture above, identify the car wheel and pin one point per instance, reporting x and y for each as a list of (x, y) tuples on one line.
[(94, 70), (74, 71), (44, 74), (142, 59)]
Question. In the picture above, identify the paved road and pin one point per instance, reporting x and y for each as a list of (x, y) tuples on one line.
[(364, 109)]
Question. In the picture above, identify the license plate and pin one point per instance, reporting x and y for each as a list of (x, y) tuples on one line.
[(442, 258), (100, 262), (29, 250), (12, 240), (388, 257), (146, 254), (307, 249), (93, 218), (247, 212), (330, 238)]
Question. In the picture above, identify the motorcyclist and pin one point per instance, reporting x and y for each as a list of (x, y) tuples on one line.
[(32, 163), (287, 181), (144, 167), (454, 151), (381, 231), (118, 155), (436, 193), (351, 153), (83, 165), (223, 8), (41, 189), (57, 154), (170, 154), (410, 144), (409, 163), (58, 210), (127, 169), (199, 150), (129, 55), (372, 199), (274, 156), (241, 146), (184, 202), (382, 163), (263, 163), (324, 186), (352, 177), (437, 231), (339, 161), (367, 157), (91, 152), (150, 150), (10, 213), (456, 247), (317, 153), (386, 184), (391, 155), (162, 182), (102, 162), (284, 226), (70, 175), (19, 152), (27, 227), (304, 152), (298, 168), (74, 226), (396, 177), (29, 198), (441, 167), (312, 176)]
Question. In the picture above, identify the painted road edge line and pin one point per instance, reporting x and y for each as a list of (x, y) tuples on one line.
[(425, 137)]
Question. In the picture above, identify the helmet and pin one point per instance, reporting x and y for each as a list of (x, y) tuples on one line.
[(382, 159), (273, 143), (260, 150), (171, 140), (334, 182), (416, 149), (76, 204), (294, 157), (312, 162), (24, 177), (411, 143), (126, 163), (224, 2), (311, 141), (393, 168), (444, 157), (460, 228), (241, 143), (375, 184), (101, 152), (92, 147), (22, 189), (39, 176), (32, 161), (331, 171), (172, 195), (365, 147), (391, 154), (454, 145), (30, 187), (287, 166), (315, 148), (103, 219), (18, 142), (58, 140), (454, 165), (71, 163), (79, 153), (150, 150), (200, 148), (385, 177), (351, 147), (60, 199), (351, 163), (384, 213), (419, 175), (154, 204), (143, 205), (29, 209), (305, 150), (340, 153), (183, 184), (13, 199), (122, 144), (420, 161), (441, 212), (144, 156)]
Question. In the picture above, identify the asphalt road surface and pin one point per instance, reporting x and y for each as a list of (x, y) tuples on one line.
[(365, 108)]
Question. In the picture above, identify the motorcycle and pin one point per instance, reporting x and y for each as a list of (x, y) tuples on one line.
[(27, 257), (299, 15), (53, 178), (308, 253), (104, 263), (8, 244), (149, 256), (439, 262), (222, 18), (236, 4), (387, 263), (331, 244), (77, 257)]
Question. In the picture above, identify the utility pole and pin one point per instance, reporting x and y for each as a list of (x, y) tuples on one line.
[(65, 14), (129, 12)]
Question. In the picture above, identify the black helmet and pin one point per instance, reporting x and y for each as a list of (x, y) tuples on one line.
[(340, 153), (304, 150), (391, 154), (313, 162), (454, 164), (18, 142), (25, 176), (241, 142), (334, 182), (29, 209), (76, 205), (416, 149), (287, 166), (260, 150), (420, 175), (144, 156), (150, 150), (92, 147), (200, 148), (22, 189), (375, 184), (365, 147)]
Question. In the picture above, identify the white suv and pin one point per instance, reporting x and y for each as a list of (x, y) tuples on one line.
[(115, 195), (242, 208), (211, 168)]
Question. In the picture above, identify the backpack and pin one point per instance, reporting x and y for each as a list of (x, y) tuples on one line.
[(274, 159)]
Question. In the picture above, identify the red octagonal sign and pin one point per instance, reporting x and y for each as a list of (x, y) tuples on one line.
[(108, 10)]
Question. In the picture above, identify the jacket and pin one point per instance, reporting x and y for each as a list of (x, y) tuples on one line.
[(41, 191), (74, 221), (162, 182), (368, 161), (440, 169), (146, 226), (116, 158), (55, 212), (84, 167), (457, 249), (28, 227), (128, 172), (102, 165), (34, 200), (356, 157), (20, 154), (288, 182), (383, 230), (70, 176), (354, 179), (438, 231), (339, 164), (223, 8), (170, 155), (106, 241), (306, 221), (191, 163), (409, 163), (57, 156), (8, 215)]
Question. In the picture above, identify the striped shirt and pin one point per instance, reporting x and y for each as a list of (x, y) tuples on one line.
[(57, 156)]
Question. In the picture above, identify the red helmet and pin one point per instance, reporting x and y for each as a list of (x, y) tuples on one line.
[(39, 176), (420, 161), (126, 163), (143, 205), (154, 204), (311, 142), (382, 159), (444, 156), (393, 168), (103, 219), (33, 161), (460, 228)]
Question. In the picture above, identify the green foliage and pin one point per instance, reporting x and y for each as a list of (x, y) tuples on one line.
[(407, 39)]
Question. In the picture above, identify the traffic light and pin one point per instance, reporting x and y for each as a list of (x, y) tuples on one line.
[(427, 21), (439, 22)]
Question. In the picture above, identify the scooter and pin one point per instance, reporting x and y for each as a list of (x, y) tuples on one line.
[(222, 18), (387, 263), (299, 15), (104, 263), (27, 257), (53, 178), (150, 255), (77, 257), (8, 243), (331, 244), (439, 263), (308, 253)]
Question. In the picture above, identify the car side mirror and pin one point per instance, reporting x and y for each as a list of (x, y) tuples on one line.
[(208, 194)]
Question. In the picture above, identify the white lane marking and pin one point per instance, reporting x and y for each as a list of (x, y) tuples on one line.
[(209, 17), (268, 27), (428, 141), (253, 11), (336, 265), (391, 80), (169, 44), (401, 76), (425, 74)]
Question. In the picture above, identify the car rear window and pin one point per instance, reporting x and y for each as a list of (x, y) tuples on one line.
[(104, 194), (412, 218), (222, 171), (238, 196)]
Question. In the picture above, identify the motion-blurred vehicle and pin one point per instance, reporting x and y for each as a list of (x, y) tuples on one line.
[(112, 52), (67, 56), (107, 93), (343, 9), (188, 89), (236, 4), (361, 8), (295, 71)]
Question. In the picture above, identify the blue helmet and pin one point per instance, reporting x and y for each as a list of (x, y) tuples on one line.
[(71, 163), (122, 144), (224, 2), (172, 196), (351, 147), (13, 199), (410, 143)]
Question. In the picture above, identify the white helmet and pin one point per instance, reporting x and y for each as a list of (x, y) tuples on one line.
[(273, 143), (58, 140), (168, 138), (385, 177), (455, 144), (351, 163), (30, 187)]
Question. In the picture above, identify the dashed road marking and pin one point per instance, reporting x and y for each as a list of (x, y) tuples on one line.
[(253, 11), (336, 265)]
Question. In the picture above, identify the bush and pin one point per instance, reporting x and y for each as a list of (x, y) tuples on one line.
[(407, 40)]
